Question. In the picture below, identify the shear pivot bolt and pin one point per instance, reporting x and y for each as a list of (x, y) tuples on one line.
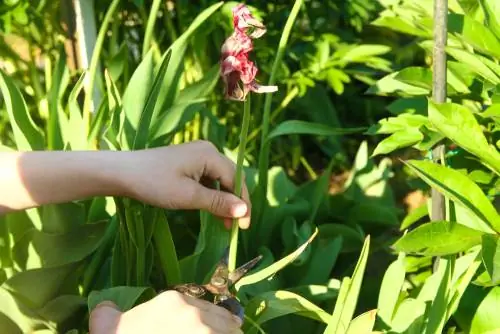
[(218, 281), (194, 289)]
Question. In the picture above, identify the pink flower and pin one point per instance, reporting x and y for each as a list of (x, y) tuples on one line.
[(237, 71)]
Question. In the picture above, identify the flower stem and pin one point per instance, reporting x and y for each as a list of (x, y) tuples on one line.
[(238, 182), (264, 148)]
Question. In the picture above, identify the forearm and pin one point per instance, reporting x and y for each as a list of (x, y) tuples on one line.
[(37, 178)]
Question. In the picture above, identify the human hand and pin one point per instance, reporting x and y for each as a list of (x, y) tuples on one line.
[(169, 312), (179, 176)]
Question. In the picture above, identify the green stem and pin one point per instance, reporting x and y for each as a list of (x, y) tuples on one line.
[(148, 36), (94, 62), (238, 182), (264, 148)]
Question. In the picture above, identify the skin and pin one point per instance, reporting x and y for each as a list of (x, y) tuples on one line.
[(173, 177)]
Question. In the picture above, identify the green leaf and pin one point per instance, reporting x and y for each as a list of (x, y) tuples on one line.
[(302, 127), (125, 297), (492, 15), (275, 267), (400, 25), (404, 107), (474, 33), (459, 188), (399, 123), (486, 319), (71, 247), (169, 87), (27, 135), (389, 85), (414, 216), (474, 63), (438, 239), (135, 98), (409, 317), (273, 304), (459, 124), (348, 295), (142, 134), (56, 126), (438, 310), (390, 290), (76, 134), (363, 323), (165, 250), (201, 88), (397, 140), (491, 256)]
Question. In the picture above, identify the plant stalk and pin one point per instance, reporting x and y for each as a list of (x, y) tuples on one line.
[(238, 182), (94, 63), (439, 96), (264, 148), (148, 36)]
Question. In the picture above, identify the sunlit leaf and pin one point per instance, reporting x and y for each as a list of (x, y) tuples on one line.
[(486, 319), (491, 256), (26, 133), (363, 323), (275, 267), (274, 304), (459, 188), (398, 140), (165, 250), (492, 15), (438, 238), (347, 300), (390, 289), (459, 124)]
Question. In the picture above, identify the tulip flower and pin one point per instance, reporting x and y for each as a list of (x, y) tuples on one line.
[(238, 73)]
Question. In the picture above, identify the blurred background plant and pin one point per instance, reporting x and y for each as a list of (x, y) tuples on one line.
[(335, 210)]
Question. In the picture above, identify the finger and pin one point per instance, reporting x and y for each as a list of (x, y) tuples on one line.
[(104, 318), (219, 203)]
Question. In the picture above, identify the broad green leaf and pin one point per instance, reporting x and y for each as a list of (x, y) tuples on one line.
[(62, 218), (390, 289), (360, 53), (169, 86), (60, 249), (135, 98), (474, 64), (36, 287), (165, 250), (15, 318), (76, 133), (414, 216), (438, 310), (27, 135), (201, 88), (274, 304), (399, 123), (486, 319), (389, 85), (275, 267), (438, 239), (345, 307), (322, 260), (400, 25), (352, 239), (397, 140), (491, 256), (318, 293), (302, 127), (492, 15), (409, 317), (459, 124), (125, 297), (459, 188), (363, 323), (56, 126), (474, 33), (404, 107), (61, 308), (142, 134)]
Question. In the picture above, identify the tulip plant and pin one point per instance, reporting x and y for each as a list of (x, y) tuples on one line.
[(238, 73)]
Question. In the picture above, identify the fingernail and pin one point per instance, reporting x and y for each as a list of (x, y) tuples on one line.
[(239, 210)]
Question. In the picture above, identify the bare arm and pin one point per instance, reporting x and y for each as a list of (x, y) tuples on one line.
[(170, 177)]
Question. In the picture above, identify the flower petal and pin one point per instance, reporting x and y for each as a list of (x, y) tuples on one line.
[(243, 20), (255, 87)]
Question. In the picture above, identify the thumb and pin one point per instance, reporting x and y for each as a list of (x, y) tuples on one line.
[(223, 204), (104, 318)]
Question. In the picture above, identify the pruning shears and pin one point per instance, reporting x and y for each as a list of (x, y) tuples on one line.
[(217, 290)]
